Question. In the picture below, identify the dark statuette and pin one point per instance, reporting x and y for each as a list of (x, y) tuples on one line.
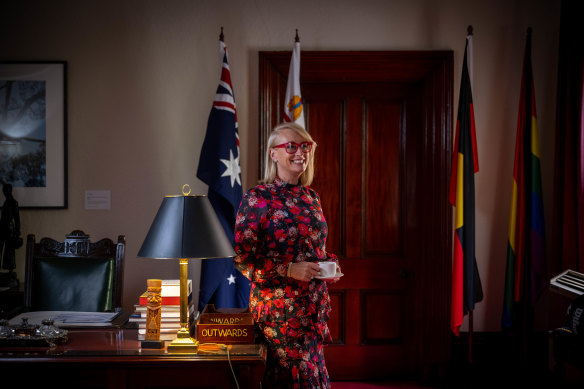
[(10, 239)]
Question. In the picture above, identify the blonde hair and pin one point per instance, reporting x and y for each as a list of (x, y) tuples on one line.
[(271, 168)]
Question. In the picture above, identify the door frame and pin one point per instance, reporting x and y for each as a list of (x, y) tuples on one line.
[(431, 219)]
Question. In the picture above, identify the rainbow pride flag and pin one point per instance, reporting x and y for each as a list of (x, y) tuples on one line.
[(526, 270)]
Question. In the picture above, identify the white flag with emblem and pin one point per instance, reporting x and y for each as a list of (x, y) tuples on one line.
[(294, 110)]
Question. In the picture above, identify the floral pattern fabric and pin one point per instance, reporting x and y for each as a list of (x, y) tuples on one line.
[(277, 224)]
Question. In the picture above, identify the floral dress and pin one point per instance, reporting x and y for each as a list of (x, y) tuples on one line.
[(277, 224)]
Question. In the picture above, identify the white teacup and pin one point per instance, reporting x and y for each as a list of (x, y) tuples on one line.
[(327, 269)]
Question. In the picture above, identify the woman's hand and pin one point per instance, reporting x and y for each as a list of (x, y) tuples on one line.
[(303, 271), (336, 279)]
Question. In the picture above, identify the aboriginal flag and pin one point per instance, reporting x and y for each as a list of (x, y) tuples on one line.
[(466, 283)]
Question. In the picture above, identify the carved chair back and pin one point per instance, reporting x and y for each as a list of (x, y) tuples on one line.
[(74, 275)]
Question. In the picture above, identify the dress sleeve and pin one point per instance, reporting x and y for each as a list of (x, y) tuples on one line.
[(247, 233), (332, 257), (251, 237)]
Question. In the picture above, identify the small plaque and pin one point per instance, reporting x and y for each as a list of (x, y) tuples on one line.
[(226, 326), (98, 200)]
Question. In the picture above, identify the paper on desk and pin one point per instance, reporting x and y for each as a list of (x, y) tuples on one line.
[(85, 317), (67, 318)]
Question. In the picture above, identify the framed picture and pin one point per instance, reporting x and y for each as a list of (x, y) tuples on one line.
[(33, 132)]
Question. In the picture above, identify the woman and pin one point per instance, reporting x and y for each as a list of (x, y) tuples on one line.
[(280, 236)]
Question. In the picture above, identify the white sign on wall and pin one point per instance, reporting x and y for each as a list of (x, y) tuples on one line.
[(98, 200)]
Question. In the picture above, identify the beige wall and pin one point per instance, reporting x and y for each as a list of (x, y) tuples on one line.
[(143, 74)]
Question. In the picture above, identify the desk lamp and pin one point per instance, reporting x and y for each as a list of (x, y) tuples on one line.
[(185, 227)]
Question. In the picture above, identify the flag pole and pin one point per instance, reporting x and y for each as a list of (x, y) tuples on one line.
[(221, 35), (470, 331), (296, 38), (527, 262), (469, 31)]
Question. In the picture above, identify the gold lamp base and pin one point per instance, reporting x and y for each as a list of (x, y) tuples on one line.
[(183, 344)]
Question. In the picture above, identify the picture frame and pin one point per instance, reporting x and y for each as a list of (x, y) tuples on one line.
[(33, 132)]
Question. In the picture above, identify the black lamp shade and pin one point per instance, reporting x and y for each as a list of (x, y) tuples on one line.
[(186, 227)]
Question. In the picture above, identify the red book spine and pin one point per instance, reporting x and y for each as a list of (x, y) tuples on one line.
[(166, 300)]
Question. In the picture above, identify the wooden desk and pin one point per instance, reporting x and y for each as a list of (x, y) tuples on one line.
[(112, 358)]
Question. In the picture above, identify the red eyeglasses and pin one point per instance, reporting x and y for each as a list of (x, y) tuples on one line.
[(292, 147)]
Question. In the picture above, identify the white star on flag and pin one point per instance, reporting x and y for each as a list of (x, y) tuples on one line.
[(232, 168), (231, 279)]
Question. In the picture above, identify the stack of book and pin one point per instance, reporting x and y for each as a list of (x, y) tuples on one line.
[(170, 310)]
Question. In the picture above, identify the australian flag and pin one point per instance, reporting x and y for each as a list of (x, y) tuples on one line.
[(221, 284)]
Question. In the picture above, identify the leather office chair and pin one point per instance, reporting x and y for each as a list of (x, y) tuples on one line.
[(74, 275)]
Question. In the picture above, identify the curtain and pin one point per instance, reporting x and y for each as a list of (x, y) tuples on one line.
[(568, 220)]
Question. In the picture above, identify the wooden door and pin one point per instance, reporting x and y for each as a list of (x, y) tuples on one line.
[(382, 122)]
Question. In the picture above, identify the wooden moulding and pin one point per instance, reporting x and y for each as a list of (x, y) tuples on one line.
[(226, 326)]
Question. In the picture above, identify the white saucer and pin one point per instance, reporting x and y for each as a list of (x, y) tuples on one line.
[(338, 275)]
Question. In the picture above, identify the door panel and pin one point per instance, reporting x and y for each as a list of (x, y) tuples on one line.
[(327, 133), (367, 186), (382, 124), (381, 192), (375, 307)]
